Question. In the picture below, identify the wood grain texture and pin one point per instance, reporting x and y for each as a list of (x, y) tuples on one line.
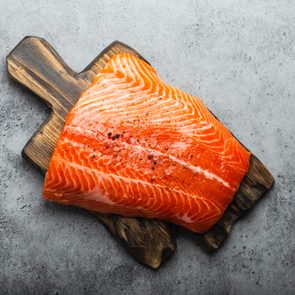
[(36, 65)]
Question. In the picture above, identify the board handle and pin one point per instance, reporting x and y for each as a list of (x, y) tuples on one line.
[(36, 65)]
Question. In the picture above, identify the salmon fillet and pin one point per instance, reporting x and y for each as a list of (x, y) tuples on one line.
[(136, 146)]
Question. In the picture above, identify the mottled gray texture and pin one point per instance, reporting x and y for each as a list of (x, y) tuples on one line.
[(239, 57)]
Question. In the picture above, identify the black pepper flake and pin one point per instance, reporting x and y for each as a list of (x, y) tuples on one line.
[(153, 167), (166, 148), (155, 162), (109, 134), (191, 156), (150, 157), (93, 156), (116, 136)]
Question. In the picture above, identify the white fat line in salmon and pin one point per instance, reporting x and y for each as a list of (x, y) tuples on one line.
[(119, 178), (194, 169), (110, 95)]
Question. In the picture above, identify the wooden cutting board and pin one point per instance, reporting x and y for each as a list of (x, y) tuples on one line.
[(36, 65)]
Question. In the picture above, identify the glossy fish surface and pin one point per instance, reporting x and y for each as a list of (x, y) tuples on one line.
[(136, 146)]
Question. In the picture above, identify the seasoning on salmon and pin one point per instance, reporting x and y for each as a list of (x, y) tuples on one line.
[(175, 162)]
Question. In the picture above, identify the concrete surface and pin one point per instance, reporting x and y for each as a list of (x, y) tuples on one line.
[(238, 56)]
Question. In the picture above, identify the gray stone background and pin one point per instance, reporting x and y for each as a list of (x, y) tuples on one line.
[(239, 57)]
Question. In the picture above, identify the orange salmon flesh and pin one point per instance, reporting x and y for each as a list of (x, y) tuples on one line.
[(136, 146)]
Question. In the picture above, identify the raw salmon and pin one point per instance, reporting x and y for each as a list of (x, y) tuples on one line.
[(136, 146)]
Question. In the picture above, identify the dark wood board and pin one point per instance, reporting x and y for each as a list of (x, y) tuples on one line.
[(36, 65)]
